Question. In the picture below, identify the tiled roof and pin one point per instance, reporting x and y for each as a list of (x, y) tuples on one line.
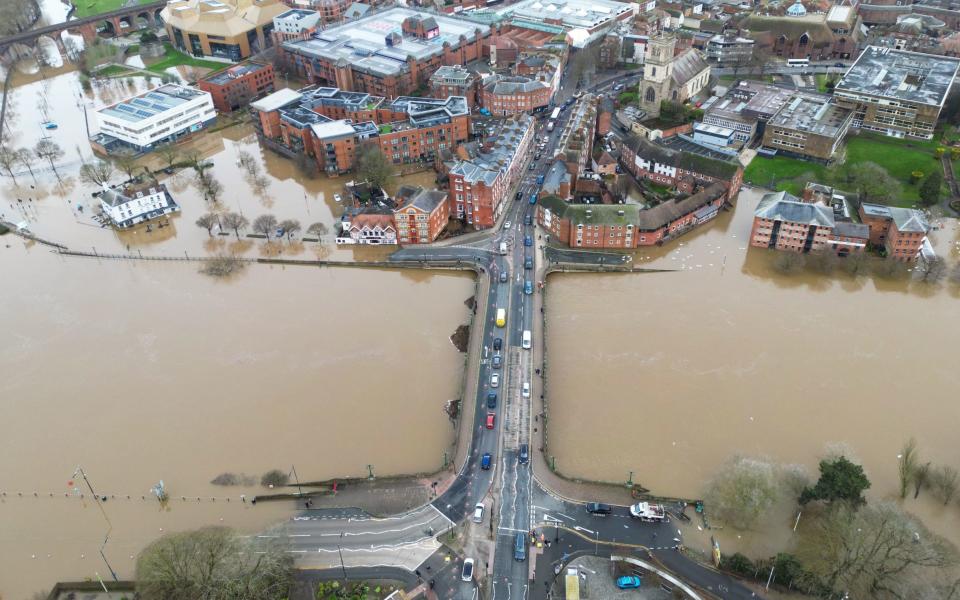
[(663, 214), (687, 66), (781, 206)]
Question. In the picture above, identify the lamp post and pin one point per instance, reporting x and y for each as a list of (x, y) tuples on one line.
[(343, 568)]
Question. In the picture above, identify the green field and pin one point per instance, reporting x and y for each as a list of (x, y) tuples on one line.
[(86, 8), (114, 71), (898, 157), (173, 57)]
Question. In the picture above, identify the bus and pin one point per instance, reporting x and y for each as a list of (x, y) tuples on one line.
[(798, 62), (501, 317), (555, 114)]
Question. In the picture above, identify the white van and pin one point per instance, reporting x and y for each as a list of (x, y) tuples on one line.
[(478, 513), (527, 339)]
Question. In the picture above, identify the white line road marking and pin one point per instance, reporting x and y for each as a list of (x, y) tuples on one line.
[(578, 528), (299, 535), (511, 529)]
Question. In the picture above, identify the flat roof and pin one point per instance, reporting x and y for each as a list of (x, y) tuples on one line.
[(278, 99), (332, 129), (362, 43), (813, 113), (573, 14), (750, 100), (910, 76), (235, 72), (148, 104)]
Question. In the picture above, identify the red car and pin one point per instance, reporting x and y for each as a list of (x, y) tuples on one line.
[(491, 417)]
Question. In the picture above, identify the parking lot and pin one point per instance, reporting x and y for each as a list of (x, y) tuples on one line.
[(600, 583)]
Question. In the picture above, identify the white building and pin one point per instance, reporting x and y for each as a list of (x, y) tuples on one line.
[(153, 118), (128, 207), (295, 21)]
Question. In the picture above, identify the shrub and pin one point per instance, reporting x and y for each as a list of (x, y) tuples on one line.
[(738, 563), (275, 478), (916, 176)]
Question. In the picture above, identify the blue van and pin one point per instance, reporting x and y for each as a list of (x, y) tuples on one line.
[(520, 547)]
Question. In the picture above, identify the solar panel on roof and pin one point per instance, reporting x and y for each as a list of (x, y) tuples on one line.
[(144, 113), (125, 108)]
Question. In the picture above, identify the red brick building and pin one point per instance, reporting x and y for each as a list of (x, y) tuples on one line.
[(900, 231), (681, 167), (455, 81), (420, 215), (235, 86)]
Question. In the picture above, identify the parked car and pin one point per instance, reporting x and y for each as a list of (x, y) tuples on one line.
[(485, 461), (598, 509), (839, 65), (497, 344), (528, 262), (532, 166), (526, 389), (467, 574), (337, 198), (527, 241), (520, 547), (495, 380), (629, 582), (478, 513), (528, 220), (528, 287), (503, 276), (491, 420), (491, 400), (507, 224), (497, 361)]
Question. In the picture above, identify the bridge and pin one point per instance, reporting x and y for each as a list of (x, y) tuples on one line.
[(115, 22)]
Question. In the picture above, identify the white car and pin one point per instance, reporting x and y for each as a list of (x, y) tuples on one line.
[(467, 574), (337, 198), (495, 380), (507, 225), (526, 389), (478, 513)]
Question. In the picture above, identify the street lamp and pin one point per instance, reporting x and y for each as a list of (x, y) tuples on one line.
[(343, 568)]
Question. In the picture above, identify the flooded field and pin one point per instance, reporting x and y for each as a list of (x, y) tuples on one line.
[(727, 356), (142, 371)]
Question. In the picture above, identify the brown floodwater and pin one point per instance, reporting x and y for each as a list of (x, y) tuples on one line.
[(142, 371), (668, 375)]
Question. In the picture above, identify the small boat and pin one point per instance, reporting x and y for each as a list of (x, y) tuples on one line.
[(337, 198), (49, 125)]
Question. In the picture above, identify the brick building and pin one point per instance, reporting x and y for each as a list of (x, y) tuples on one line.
[(481, 181), (818, 36), (389, 53), (234, 87), (684, 169), (575, 147), (420, 215), (900, 231), (455, 80), (784, 222), (328, 11)]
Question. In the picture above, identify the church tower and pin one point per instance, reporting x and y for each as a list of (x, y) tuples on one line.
[(657, 74)]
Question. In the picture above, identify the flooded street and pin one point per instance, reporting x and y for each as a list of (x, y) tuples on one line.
[(668, 375), (141, 371)]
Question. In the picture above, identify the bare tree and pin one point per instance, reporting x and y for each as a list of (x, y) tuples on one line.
[(127, 163), (318, 229), (265, 225), (921, 478), (742, 491), (25, 158), (289, 227), (235, 221), (931, 270), (222, 266), (8, 158), (260, 184), (210, 186), (944, 481), (907, 465), (49, 151), (168, 153), (207, 221), (97, 173)]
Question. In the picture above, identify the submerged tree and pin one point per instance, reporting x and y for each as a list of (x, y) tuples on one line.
[(207, 221), (234, 221), (840, 479), (96, 173), (265, 225), (8, 158), (289, 227), (49, 151), (374, 167), (742, 491)]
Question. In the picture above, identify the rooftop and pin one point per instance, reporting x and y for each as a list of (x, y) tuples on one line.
[(504, 85), (332, 129), (781, 206), (420, 198), (152, 103), (364, 43), (663, 214), (235, 72), (814, 113), (277, 99), (750, 100), (684, 154), (910, 76), (224, 18), (452, 74), (499, 154), (297, 14), (603, 214), (571, 14), (906, 219)]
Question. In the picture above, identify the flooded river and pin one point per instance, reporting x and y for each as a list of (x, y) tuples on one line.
[(668, 375), (142, 371)]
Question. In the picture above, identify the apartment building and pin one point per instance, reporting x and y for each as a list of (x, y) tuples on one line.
[(481, 183), (900, 231), (505, 95), (455, 80), (784, 222), (746, 108), (575, 147), (798, 34), (234, 87), (421, 214), (152, 118), (227, 29), (295, 24), (684, 167), (809, 126), (897, 93), (729, 50)]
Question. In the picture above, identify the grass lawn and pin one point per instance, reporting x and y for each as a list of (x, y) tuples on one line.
[(85, 8), (114, 71), (783, 173), (173, 57)]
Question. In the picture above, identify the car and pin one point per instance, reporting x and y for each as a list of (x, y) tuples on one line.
[(467, 573), (528, 219), (337, 198), (839, 65), (491, 420), (478, 512), (497, 361), (629, 582), (598, 509), (532, 166), (491, 400), (527, 241), (495, 380), (504, 276), (528, 287), (485, 461), (507, 224), (537, 156), (497, 344), (520, 546), (524, 455), (528, 262), (526, 389), (518, 195)]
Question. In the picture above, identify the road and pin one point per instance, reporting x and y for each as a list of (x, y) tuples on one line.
[(520, 504)]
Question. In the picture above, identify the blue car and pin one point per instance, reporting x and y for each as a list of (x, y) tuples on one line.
[(533, 198), (629, 582), (485, 461), (528, 287), (527, 240), (539, 179)]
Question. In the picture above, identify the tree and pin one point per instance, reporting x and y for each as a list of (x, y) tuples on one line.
[(274, 478), (921, 478), (318, 229), (789, 262), (907, 465), (265, 225), (738, 563), (8, 158), (872, 181), (97, 173), (840, 479), (289, 227), (374, 167), (742, 491), (214, 563), (168, 153), (49, 151), (876, 552), (127, 163), (207, 221), (25, 158), (944, 481), (222, 266), (930, 188), (234, 221)]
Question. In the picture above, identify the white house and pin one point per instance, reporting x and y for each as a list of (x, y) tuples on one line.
[(127, 207), (295, 21), (155, 117), (368, 228)]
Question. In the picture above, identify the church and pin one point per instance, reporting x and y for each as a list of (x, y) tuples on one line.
[(675, 78)]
